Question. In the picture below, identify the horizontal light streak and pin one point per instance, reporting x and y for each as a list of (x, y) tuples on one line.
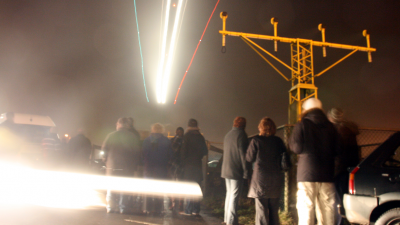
[(22, 185)]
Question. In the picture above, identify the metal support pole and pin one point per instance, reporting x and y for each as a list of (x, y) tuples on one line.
[(274, 21), (366, 35), (322, 29)]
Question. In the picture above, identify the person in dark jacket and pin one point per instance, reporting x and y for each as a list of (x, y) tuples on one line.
[(194, 148), (122, 155), (316, 142), (176, 144), (80, 149), (266, 185), (348, 132), (157, 152), (175, 167), (234, 167), (349, 157)]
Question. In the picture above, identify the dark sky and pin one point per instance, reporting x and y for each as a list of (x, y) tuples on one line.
[(78, 61)]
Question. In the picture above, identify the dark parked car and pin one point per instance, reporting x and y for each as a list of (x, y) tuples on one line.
[(374, 186)]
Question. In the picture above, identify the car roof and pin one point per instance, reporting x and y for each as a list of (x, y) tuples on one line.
[(29, 119)]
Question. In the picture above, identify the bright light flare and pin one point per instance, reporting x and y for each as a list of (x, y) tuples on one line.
[(167, 71), (166, 59), (22, 185), (162, 55)]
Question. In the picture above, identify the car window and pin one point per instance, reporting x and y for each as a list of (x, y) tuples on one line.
[(394, 160), (29, 133)]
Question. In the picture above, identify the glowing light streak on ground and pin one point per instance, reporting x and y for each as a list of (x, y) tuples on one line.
[(140, 47), (22, 185), (167, 71), (190, 64), (162, 55)]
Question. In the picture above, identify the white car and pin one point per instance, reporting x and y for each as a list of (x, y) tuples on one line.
[(21, 136)]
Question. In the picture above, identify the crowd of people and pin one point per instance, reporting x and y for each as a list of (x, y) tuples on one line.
[(177, 159), (325, 146)]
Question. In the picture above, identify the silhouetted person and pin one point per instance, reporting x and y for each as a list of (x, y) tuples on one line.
[(156, 154), (176, 165), (234, 167), (193, 150), (80, 149), (349, 157), (316, 142), (176, 145), (122, 155), (265, 151)]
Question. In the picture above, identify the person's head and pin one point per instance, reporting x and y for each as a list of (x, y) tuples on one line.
[(157, 128), (239, 122), (311, 103), (123, 122), (267, 127), (179, 132), (335, 115), (131, 121), (192, 123)]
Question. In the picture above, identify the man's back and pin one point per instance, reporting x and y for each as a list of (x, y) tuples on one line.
[(315, 140), (234, 162), (194, 148), (122, 151)]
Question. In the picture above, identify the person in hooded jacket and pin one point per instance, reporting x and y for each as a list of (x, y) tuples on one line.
[(122, 155), (235, 168), (157, 152), (193, 149), (316, 142), (265, 151)]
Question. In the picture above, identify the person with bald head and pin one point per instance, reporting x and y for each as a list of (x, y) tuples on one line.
[(122, 156)]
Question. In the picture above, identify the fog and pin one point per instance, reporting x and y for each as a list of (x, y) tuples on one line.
[(79, 63)]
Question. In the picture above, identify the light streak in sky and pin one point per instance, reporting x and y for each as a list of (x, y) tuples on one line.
[(162, 55), (23, 185), (167, 71), (187, 70), (166, 58), (140, 47)]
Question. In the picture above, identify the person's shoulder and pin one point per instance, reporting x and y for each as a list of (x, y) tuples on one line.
[(257, 138)]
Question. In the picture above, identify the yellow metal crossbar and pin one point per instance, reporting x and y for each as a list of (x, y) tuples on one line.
[(302, 60)]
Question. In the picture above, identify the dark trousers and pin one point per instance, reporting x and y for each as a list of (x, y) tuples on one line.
[(192, 206), (267, 211), (153, 204)]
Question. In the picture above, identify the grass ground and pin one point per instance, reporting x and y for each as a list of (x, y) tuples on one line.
[(246, 210)]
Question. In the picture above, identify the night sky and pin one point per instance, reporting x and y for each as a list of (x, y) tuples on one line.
[(79, 62)]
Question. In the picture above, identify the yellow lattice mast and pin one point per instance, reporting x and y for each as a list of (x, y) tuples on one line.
[(302, 63)]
